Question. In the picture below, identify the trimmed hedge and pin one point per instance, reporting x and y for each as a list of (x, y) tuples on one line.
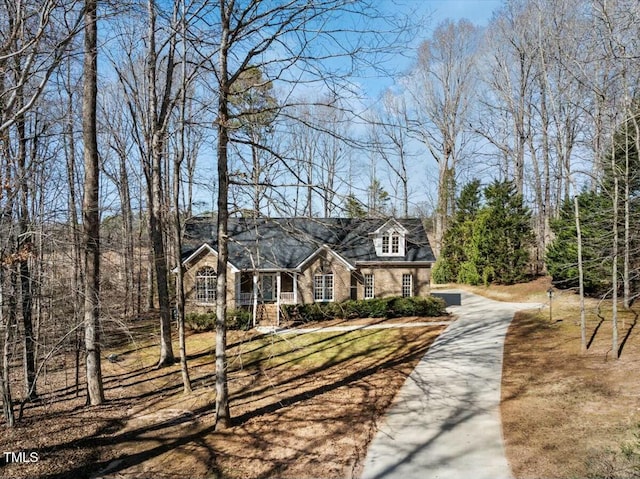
[(237, 319), (393, 307)]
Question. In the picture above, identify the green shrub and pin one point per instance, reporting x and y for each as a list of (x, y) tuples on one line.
[(442, 271), (468, 274), (415, 306), (375, 308), (200, 321), (237, 319), (306, 312), (368, 308)]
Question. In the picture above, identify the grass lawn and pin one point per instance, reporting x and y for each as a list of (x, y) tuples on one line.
[(568, 415), (303, 406)]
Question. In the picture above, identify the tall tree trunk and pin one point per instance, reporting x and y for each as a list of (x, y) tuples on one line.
[(223, 416), (614, 255), (626, 295), (177, 227), (77, 278), (180, 297), (90, 209), (127, 230), (24, 248), (156, 216), (445, 201)]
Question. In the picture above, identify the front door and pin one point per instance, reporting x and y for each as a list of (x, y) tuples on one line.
[(268, 286)]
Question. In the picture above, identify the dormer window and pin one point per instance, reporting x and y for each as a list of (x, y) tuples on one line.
[(391, 243), (395, 243), (390, 240)]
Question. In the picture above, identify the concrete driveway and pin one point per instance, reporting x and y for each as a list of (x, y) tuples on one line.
[(445, 420)]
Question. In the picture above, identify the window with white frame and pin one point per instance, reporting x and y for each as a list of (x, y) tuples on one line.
[(390, 243), (368, 286), (395, 243), (407, 285), (385, 244), (206, 283), (323, 287)]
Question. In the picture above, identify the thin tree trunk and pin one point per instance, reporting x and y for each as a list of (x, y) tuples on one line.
[(77, 278), (614, 267), (90, 209), (627, 219), (156, 216), (127, 231), (5, 385), (583, 321)]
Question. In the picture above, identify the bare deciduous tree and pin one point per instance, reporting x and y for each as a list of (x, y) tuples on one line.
[(442, 88), (90, 209)]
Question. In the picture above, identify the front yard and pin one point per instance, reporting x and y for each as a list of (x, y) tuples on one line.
[(304, 406)]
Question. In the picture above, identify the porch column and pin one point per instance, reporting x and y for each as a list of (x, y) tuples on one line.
[(295, 288), (278, 283), (255, 298)]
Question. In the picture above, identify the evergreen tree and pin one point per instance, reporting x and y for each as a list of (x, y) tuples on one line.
[(487, 243), (453, 254), (597, 223), (354, 207), (505, 237), (562, 254)]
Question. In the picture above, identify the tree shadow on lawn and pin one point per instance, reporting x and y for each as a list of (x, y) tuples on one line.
[(628, 333), (256, 407)]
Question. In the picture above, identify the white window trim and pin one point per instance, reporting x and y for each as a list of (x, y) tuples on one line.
[(395, 242), (372, 286), (410, 285), (210, 294), (323, 288), (385, 243)]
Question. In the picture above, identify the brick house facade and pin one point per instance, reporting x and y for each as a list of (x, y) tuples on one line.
[(274, 261)]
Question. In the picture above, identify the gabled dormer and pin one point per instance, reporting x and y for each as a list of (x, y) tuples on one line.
[(390, 239)]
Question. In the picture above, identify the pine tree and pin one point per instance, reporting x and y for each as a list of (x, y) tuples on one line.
[(453, 254), (354, 207), (597, 222), (562, 254), (487, 243), (507, 238)]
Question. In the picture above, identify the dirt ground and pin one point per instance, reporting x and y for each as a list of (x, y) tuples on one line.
[(296, 415)]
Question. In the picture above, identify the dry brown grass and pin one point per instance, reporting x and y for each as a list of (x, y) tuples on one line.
[(565, 414), (303, 406)]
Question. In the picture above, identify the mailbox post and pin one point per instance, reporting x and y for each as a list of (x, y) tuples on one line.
[(550, 294)]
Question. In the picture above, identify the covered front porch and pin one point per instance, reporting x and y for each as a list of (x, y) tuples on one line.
[(279, 287)]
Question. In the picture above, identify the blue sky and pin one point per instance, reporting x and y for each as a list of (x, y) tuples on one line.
[(478, 11), (429, 13)]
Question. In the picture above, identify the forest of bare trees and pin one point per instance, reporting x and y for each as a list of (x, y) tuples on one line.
[(118, 122)]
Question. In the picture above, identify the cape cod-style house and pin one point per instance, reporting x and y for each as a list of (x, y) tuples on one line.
[(275, 261)]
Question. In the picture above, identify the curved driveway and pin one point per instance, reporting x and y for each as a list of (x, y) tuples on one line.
[(445, 420)]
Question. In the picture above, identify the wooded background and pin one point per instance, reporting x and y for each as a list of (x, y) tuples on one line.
[(120, 121)]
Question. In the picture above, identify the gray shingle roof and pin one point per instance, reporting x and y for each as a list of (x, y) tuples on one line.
[(284, 243)]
